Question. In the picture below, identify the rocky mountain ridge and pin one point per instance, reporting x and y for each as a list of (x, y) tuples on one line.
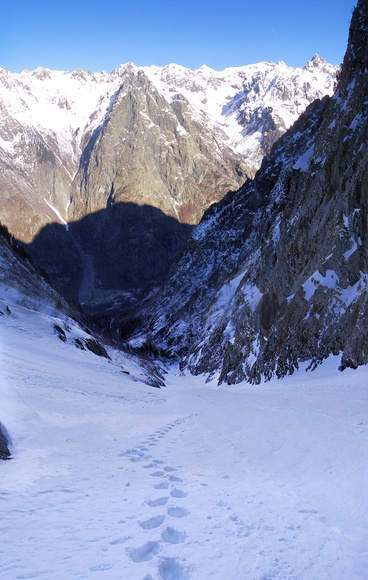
[(254, 104), (276, 273)]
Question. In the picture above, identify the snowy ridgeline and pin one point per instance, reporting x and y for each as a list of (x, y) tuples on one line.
[(111, 478), (69, 105)]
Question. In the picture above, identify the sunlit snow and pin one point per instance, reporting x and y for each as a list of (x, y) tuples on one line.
[(111, 478)]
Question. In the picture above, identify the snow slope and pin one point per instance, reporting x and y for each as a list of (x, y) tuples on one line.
[(113, 479)]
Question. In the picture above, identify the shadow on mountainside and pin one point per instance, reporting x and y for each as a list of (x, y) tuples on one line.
[(111, 261)]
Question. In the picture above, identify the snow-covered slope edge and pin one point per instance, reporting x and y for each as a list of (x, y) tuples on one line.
[(36, 327), (277, 272)]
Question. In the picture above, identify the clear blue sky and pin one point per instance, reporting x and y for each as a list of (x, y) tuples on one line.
[(101, 34)]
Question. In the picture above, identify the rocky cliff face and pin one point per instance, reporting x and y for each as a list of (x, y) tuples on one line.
[(277, 272), (150, 151), (103, 174)]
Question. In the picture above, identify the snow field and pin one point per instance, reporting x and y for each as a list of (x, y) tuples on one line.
[(113, 479)]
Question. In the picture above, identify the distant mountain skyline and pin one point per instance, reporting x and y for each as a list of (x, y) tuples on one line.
[(101, 36)]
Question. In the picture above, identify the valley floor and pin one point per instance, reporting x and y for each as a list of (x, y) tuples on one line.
[(113, 479)]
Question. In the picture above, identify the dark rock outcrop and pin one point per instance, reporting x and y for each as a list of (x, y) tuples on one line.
[(4, 450)]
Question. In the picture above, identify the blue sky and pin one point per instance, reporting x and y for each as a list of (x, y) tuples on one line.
[(101, 34)]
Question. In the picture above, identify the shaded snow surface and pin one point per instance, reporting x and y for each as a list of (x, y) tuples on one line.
[(113, 479)]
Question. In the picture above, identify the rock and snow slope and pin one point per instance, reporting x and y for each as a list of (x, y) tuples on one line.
[(111, 478), (45, 115), (254, 104), (276, 273)]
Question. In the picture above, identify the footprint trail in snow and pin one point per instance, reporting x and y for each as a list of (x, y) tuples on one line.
[(161, 527)]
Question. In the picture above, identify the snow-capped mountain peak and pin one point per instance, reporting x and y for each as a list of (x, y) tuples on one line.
[(235, 99)]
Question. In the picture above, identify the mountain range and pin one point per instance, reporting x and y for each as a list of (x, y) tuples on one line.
[(109, 477), (104, 175)]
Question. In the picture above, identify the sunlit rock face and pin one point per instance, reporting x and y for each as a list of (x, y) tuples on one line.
[(277, 272)]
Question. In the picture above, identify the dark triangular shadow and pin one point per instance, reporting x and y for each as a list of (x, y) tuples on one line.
[(112, 260)]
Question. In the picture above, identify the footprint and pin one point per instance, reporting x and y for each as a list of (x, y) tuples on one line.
[(308, 511), (152, 523), (136, 459), (158, 474), (178, 493), (168, 469), (170, 569), (177, 512), (144, 553), (172, 536), (174, 479), (135, 456), (158, 502), (162, 485)]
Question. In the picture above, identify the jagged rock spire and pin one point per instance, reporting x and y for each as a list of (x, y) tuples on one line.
[(356, 56)]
